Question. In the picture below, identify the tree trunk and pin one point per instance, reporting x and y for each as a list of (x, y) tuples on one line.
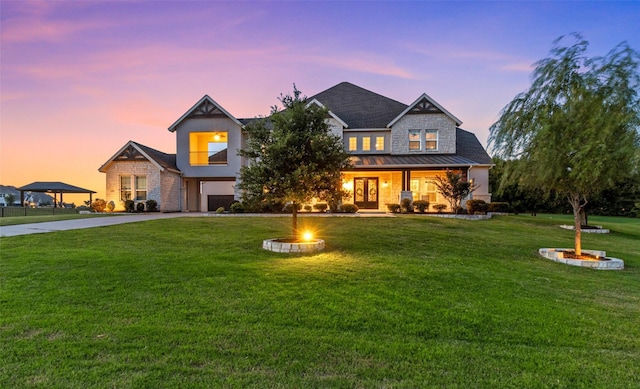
[(577, 203), (578, 230), (294, 220)]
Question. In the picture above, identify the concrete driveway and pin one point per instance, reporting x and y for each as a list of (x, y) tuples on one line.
[(74, 224)]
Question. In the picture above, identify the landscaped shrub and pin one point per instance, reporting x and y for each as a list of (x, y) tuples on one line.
[(308, 208), (237, 207), (152, 205), (129, 205), (461, 211), (349, 208), (98, 205), (289, 208), (439, 207), (321, 207), (406, 206), (220, 210), (111, 206), (422, 205), (140, 207), (498, 207), (393, 208), (477, 207)]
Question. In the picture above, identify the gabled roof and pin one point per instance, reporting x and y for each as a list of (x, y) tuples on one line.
[(333, 115), (206, 107), (358, 107), (424, 104), (133, 151), (53, 187)]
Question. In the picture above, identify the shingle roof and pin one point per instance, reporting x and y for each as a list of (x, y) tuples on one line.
[(167, 161), (468, 146), (358, 107)]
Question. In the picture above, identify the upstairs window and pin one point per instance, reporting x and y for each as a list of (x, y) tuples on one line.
[(423, 140), (414, 140), (366, 143), (431, 139), (353, 143), (379, 143), (208, 148)]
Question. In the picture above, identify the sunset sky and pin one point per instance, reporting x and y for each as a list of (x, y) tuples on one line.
[(81, 78)]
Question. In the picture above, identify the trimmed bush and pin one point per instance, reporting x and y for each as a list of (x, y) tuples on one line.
[(289, 208), (439, 207), (140, 207), (129, 205), (321, 207), (498, 207), (220, 210), (393, 208), (308, 208), (421, 205), (237, 208), (349, 208), (406, 206), (477, 207), (111, 206), (98, 205), (152, 205)]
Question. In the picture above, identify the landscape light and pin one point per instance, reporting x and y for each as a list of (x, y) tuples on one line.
[(307, 235)]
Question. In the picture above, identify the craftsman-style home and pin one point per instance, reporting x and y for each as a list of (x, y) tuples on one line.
[(397, 149)]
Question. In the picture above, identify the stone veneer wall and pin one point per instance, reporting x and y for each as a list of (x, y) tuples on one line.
[(137, 168), (441, 122), (170, 191)]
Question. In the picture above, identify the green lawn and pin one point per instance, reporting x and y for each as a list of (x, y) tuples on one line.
[(410, 301), (13, 220)]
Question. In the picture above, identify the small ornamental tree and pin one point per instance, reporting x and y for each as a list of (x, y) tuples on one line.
[(293, 157), (575, 131), (9, 199), (454, 189)]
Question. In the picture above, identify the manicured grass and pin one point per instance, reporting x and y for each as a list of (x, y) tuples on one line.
[(411, 301), (14, 220)]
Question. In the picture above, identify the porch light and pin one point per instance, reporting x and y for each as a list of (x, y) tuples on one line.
[(307, 236), (347, 185), (385, 184)]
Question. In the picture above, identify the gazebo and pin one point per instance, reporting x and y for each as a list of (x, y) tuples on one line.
[(55, 188)]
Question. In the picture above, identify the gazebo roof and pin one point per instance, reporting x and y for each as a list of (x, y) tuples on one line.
[(53, 187)]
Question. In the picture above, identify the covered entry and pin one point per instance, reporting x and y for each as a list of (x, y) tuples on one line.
[(366, 192)]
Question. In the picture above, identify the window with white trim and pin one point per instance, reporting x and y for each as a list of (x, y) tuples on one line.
[(133, 188), (423, 140), (141, 187), (431, 139), (414, 140), (379, 143)]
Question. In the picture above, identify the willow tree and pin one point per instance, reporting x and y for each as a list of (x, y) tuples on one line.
[(575, 130), (293, 157)]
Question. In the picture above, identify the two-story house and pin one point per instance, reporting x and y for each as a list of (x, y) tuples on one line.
[(397, 150)]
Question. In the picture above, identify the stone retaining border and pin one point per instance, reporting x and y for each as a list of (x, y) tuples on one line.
[(556, 255), (289, 247)]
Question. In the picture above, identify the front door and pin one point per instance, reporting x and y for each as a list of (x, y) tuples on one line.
[(365, 192)]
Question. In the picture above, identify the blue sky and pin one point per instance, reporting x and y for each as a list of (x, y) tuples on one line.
[(80, 79)]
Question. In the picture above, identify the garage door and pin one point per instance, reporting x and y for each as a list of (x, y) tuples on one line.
[(217, 201)]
